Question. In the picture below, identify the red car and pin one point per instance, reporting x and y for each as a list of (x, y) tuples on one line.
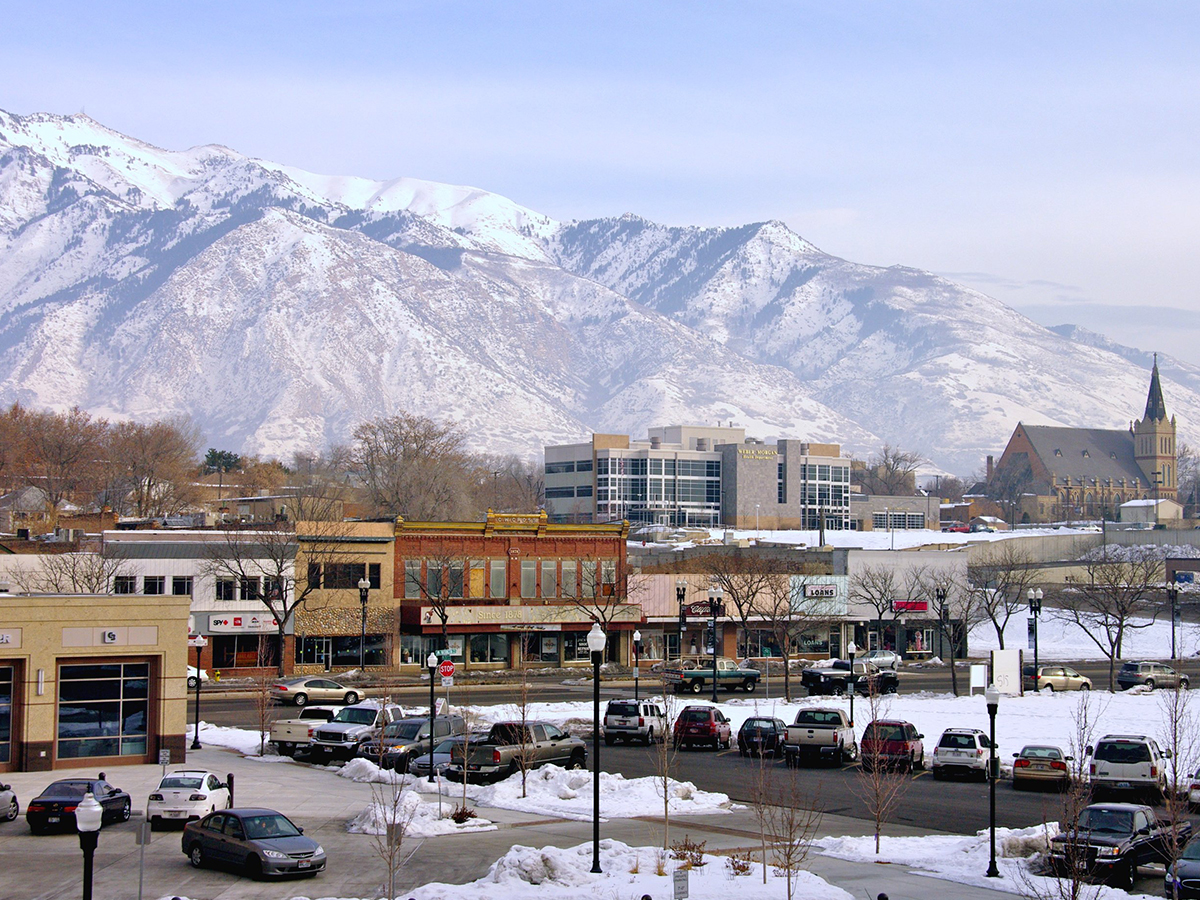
[(703, 725), (892, 743)]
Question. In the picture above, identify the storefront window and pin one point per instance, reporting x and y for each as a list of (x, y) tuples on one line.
[(539, 647), (575, 646), (102, 710), (918, 640), (489, 648), (245, 651), (6, 686), (415, 648), (499, 579)]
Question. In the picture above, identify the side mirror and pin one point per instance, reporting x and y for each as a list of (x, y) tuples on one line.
[(300, 828), (1167, 753), (1088, 750), (1015, 755), (5, 787), (920, 737), (1145, 829)]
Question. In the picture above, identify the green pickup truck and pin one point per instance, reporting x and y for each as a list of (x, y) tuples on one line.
[(695, 674)]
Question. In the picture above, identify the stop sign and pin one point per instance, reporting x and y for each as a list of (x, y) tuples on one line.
[(446, 669)]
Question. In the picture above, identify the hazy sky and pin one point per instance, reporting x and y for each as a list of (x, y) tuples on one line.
[(1046, 153)]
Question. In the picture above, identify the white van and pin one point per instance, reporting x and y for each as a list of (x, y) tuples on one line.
[(1128, 762)]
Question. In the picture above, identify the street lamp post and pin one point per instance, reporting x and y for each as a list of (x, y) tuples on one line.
[(196, 735), (637, 662), (432, 663), (89, 815), (715, 595), (851, 649), (595, 642), (992, 696), (681, 596), (1035, 610), (364, 587), (1173, 597)]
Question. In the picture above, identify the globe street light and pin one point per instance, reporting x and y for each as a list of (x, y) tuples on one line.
[(1173, 597), (851, 649), (89, 815), (715, 608), (432, 663), (992, 696), (637, 662), (681, 595), (1035, 609), (595, 642), (363, 587)]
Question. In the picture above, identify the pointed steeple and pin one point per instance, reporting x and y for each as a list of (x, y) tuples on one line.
[(1156, 407)]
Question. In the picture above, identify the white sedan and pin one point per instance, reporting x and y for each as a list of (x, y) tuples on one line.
[(196, 677), (186, 794)]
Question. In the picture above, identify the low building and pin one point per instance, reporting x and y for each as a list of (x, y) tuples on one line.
[(1152, 511), (91, 679)]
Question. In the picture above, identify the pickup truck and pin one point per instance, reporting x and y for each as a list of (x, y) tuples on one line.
[(694, 673), (832, 677), (500, 754), (352, 728), (824, 734), (407, 738), (1110, 840), (293, 735)]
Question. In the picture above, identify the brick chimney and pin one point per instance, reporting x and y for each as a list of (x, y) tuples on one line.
[(991, 467)]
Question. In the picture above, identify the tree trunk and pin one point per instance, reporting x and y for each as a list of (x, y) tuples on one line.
[(279, 659)]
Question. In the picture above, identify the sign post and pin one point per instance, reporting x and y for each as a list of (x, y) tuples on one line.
[(446, 670), (142, 836)]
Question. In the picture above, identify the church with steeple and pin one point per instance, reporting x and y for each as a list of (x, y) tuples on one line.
[(1052, 474)]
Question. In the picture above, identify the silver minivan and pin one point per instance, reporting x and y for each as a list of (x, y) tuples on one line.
[(1128, 763)]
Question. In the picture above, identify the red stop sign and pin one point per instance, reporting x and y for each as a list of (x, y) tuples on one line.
[(446, 669)]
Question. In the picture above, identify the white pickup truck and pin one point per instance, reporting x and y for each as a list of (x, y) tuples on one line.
[(292, 735), (822, 733)]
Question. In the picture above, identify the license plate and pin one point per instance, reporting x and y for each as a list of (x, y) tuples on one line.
[(1081, 865), (1123, 785), (305, 863), (175, 814), (52, 819)]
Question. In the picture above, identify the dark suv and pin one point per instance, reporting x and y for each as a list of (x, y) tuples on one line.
[(703, 725)]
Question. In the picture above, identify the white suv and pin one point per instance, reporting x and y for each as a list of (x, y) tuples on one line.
[(961, 751), (630, 719), (1128, 762)]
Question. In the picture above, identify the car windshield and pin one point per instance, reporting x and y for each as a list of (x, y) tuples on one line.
[(447, 745), (1109, 820), (182, 782), (759, 723), (1041, 753), (69, 788), (1122, 752), (884, 732), (1129, 667), (268, 826), (1191, 851), (356, 716), (622, 709), (696, 715), (958, 741), (405, 731)]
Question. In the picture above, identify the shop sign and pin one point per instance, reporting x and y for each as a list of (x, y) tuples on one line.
[(541, 626), (910, 606), (10, 639), (526, 615), (820, 591), (242, 624)]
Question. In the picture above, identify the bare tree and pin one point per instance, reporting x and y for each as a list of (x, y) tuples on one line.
[(792, 822), (283, 568), (1187, 462), (892, 472), (1179, 735), (412, 466), (444, 581), (606, 588), (525, 755), (882, 782), (152, 467), (61, 452), (788, 611), (956, 610), (397, 807), (1118, 596), (745, 581), (1000, 580), (664, 756), (82, 572), (877, 587)]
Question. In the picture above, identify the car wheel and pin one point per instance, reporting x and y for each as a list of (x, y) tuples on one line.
[(891, 689), (1122, 876), (1183, 684), (697, 686), (351, 698), (938, 775), (1049, 687), (1018, 784), (126, 810), (13, 811), (193, 682), (576, 761), (609, 740), (196, 856), (1085, 686), (253, 867), (1149, 684), (748, 685), (300, 699), (649, 737), (838, 690)]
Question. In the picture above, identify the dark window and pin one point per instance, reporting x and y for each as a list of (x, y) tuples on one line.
[(245, 651), (124, 584), (225, 588), (102, 710), (559, 493), (314, 575), (154, 584), (181, 584), (343, 575), (1122, 752), (583, 465), (555, 468), (374, 576)]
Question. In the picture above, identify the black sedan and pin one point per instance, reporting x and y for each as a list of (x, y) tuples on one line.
[(1184, 874), (760, 735), (54, 808), (257, 842)]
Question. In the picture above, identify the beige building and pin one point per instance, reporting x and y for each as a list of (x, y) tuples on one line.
[(92, 680)]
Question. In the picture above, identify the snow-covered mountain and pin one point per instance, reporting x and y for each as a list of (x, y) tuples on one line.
[(279, 308)]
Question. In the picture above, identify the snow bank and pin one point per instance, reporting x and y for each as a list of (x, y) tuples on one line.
[(423, 818)]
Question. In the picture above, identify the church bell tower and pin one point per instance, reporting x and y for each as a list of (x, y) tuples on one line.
[(1154, 442)]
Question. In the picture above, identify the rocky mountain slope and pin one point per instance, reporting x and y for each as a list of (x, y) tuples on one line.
[(279, 308)]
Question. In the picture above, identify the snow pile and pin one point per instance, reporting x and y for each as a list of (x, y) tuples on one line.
[(964, 859), (567, 794), (244, 741), (565, 874), (363, 771), (421, 818)]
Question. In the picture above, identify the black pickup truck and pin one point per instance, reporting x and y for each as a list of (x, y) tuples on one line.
[(1110, 840), (833, 677)]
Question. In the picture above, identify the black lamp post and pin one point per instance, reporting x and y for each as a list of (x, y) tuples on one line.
[(992, 696), (1035, 610), (1173, 597), (88, 817), (851, 648), (196, 736), (681, 596), (432, 663), (637, 662), (715, 608), (595, 642), (364, 587)]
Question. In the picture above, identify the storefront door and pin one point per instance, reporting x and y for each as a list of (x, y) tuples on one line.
[(6, 706)]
